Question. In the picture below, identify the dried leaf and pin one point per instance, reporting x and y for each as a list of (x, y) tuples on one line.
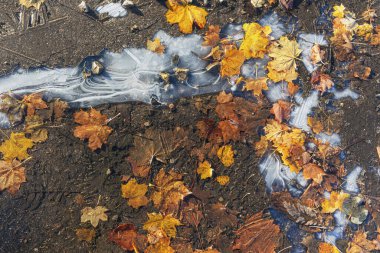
[(40, 135), (256, 85), (135, 193), (211, 37), (285, 53), (166, 223), (59, 108), (12, 175), (232, 62), (192, 215), (222, 216), (226, 155), (32, 3), (281, 110), (360, 243), (186, 16), (162, 246), (85, 234), (317, 54), (16, 147), (223, 180), (314, 172), (335, 202), (93, 127), (321, 82), (259, 234), (315, 125), (256, 40), (14, 109), (292, 88), (155, 46), (209, 250), (94, 215), (33, 102), (339, 11), (204, 170), (324, 247), (229, 130), (125, 236), (169, 191)]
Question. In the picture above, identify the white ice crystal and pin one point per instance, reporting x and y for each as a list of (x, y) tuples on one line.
[(115, 10), (351, 185), (298, 116)]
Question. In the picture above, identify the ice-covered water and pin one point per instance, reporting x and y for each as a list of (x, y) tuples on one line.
[(115, 10)]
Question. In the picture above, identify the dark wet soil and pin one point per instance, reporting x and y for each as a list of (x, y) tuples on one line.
[(44, 214)]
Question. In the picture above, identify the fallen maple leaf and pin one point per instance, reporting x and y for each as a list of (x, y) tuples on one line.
[(166, 223), (16, 147), (223, 180), (259, 234), (125, 236), (170, 190), (211, 37), (226, 155), (232, 62), (317, 54), (34, 101), (12, 175), (40, 135), (325, 247), (256, 40), (32, 3), (315, 125), (277, 76), (59, 108), (281, 110), (85, 234), (94, 215), (14, 109), (186, 15), (360, 243), (284, 54), (338, 11), (314, 172), (229, 130), (191, 214), (292, 88), (93, 127), (162, 246), (155, 46), (334, 202), (256, 85), (135, 193), (204, 170), (321, 82)]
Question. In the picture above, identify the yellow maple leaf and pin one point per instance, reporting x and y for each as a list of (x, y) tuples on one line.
[(204, 170), (365, 30), (325, 247), (284, 53), (155, 46), (232, 62), (12, 175), (223, 180), (135, 193), (32, 3), (226, 155), (94, 215), (255, 40), (256, 85), (186, 15), (16, 147), (277, 76), (166, 223), (334, 202), (338, 11), (162, 246)]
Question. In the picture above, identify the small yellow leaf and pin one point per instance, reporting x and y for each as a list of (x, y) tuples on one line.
[(16, 147), (338, 11), (204, 170), (325, 247), (155, 46), (285, 53), (32, 3), (185, 16), (223, 180), (255, 41), (166, 223), (135, 193), (226, 155), (40, 135), (335, 202), (256, 85), (94, 215)]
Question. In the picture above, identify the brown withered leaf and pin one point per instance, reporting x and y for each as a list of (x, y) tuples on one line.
[(191, 214), (256, 85), (59, 108), (211, 37), (12, 175), (209, 250), (169, 191), (205, 127), (40, 135), (360, 243), (34, 102), (230, 130), (93, 127), (155, 144), (359, 70), (222, 216), (162, 246), (313, 172), (258, 234), (85, 234), (292, 88), (316, 125), (281, 110), (14, 109), (309, 219), (317, 54), (125, 235), (321, 82)]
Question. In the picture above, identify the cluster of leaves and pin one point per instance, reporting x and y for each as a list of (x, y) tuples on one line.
[(15, 147)]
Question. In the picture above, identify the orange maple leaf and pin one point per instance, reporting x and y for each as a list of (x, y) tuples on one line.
[(211, 37), (93, 127), (12, 175), (125, 236), (34, 101), (281, 110), (232, 61), (314, 172)]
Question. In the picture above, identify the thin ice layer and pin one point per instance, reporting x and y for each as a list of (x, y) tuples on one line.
[(298, 116), (350, 185), (306, 41), (115, 10)]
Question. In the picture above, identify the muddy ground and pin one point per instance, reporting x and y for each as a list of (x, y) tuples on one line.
[(43, 215)]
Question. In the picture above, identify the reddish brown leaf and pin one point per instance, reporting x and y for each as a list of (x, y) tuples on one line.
[(281, 110), (125, 235)]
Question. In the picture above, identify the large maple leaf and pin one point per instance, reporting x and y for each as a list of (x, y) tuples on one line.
[(16, 147)]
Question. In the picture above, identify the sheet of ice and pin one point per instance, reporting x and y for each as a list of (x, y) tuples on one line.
[(350, 185), (4, 121), (277, 91), (306, 41), (132, 75), (255, 68), (298, 116), (233, 31), (277, 176), (279, 26), (333, 139), (115, 10), (344, 93)]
